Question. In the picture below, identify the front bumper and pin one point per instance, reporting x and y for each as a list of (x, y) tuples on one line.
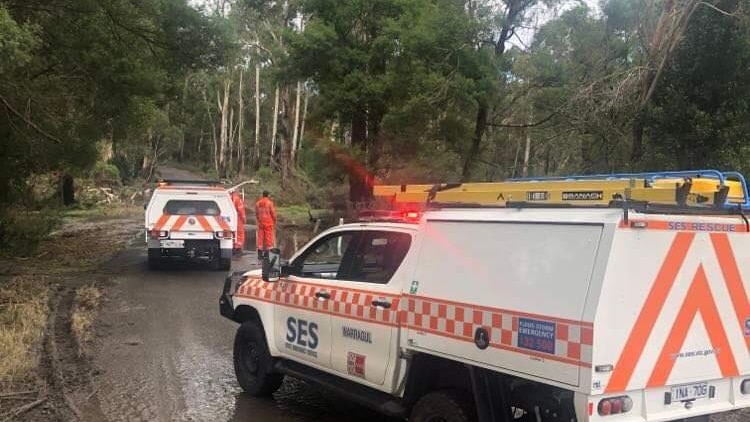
[(226, 302)]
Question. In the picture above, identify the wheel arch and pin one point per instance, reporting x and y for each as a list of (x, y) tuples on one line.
[(249, 313)]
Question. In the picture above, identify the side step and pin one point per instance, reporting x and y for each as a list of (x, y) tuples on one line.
[(365, 396)]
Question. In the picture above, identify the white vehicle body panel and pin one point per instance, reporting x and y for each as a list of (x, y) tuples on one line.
[(573, 298), (190, 227)]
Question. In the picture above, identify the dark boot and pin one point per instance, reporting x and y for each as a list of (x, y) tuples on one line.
[(260, 255)]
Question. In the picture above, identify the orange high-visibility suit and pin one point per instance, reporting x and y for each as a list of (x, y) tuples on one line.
[(239, 239), (265, 216)]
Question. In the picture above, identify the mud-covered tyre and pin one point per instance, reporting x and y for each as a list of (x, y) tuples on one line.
[(225, 264), (253, 364), (154, 260), (444, 406), (221, 264)]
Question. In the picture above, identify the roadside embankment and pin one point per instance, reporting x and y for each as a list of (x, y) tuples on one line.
[(48, 298)]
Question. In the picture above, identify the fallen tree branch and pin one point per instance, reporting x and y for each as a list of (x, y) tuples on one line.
[(525, 125), (16, 393), (22, 409)]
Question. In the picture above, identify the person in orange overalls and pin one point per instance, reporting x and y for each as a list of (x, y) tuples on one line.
[(239, 239), (265, 217)]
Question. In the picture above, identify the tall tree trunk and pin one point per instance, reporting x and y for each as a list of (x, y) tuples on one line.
[(480, 126), (513, 14), (275, 123), (296, 123), (673, 22), (213, 132), (256, 148), (526, 154), (357, 171), (285, 162), (527, 149), (241, 124), (230, 142), (304, 118), (224, 134)]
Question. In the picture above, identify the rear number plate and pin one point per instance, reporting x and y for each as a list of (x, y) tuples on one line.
[(690, 391), (171, 244)]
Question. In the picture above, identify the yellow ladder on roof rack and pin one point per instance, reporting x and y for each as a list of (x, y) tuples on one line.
[(704, 191)]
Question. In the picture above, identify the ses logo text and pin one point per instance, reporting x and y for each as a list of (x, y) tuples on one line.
[(302, 336)]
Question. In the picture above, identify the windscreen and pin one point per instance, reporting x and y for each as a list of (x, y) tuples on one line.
[(191, 207)]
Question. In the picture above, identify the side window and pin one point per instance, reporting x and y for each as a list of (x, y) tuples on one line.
[(379, 256), (328, 258)]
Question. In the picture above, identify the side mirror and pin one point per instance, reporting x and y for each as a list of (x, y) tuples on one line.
[(271, 271)]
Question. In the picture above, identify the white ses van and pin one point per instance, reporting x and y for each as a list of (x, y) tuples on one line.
[(193, 220), (619, 299)]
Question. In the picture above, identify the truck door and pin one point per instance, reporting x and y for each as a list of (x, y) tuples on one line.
[(364, 313), (303, 311)]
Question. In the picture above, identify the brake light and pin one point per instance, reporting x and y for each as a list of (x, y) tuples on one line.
[(615, 406), (224, 234), (158, 234), (410, 215)]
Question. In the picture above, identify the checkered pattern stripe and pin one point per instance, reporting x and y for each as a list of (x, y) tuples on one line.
[(573, 341), (348, 303)]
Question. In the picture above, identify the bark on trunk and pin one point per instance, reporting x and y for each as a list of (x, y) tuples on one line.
[(479, 128), (224, 134), (304, 118), (67, 189), (296, 123), (275, 126), (241, 124), (358, 190), (256, 148)]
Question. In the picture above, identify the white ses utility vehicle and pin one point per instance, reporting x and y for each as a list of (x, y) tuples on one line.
[(190, 220), (617, 298)]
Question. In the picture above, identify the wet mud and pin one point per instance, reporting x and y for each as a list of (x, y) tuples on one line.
[(163, 352)]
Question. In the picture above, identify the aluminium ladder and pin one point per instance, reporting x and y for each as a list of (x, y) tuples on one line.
[(699, 188)]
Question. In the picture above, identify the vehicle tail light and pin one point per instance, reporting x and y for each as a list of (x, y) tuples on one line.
[(158, 234), (410, 215), (745, 386), (224, 234), (615, 406)]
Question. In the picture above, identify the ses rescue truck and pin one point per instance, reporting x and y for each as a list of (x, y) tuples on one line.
[(617, 298), (190, 219)]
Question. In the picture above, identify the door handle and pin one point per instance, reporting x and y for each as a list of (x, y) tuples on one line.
[(381, 303), (322, 294)]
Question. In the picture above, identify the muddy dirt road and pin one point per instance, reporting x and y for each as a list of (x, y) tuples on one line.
[(165, 354)]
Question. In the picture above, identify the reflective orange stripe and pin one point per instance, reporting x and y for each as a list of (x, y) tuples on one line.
[(699, 300), (222, 223), (732, 278), (204, 223), (179, 223), (638, 337), (162, 221)]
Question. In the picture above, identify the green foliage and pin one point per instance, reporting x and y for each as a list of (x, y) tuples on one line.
[(105, 173), (22, 231), (701, 116), (73, 73)]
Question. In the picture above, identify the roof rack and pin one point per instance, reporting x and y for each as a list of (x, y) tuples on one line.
[(165, 182), (694, 188)]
